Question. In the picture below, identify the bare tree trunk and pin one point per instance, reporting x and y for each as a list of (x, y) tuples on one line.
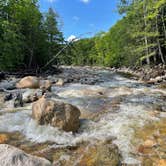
[(162, 18), (160, 52), (31, 57), (154, 59), (31, 49), (145, 37), (158, 43)]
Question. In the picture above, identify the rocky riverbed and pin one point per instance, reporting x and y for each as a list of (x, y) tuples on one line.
[(121, 121)]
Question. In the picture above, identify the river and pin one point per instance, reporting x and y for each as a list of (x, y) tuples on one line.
[(118, 108)]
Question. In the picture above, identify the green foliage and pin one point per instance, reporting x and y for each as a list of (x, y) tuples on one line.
[(82, 52), (139, 37), (25, 33), (30, 39), (10, 45)]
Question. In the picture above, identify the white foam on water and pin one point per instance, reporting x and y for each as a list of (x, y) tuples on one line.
[(78, 90), (118, 81), (120, 125)]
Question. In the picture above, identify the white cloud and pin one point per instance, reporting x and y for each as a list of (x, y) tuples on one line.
[(92, 25), (75, 18), (51, 1), (85, 1), (72, 38)]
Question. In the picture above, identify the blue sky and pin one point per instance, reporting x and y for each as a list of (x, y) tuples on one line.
[(82, 16)]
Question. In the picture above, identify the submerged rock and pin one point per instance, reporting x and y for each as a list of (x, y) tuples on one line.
[(98, 153), (57, 114), (3, 138), (149, 143), (28, 82), (101, 154), (11, 156), (161, 162)]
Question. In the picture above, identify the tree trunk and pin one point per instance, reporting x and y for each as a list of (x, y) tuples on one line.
[(158, 43), (145, 37), (155, 59), (163, 22), (31, 57)]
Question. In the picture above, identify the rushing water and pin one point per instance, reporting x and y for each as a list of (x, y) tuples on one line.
[(121, 105)]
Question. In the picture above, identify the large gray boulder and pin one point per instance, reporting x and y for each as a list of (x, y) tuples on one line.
[(11, 156), (58, 114)]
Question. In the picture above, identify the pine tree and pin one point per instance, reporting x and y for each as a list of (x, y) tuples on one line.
[(54, 36)]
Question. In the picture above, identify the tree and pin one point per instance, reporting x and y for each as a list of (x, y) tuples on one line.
[(54, 36), (26, 35), (10, 38), (145, 21)]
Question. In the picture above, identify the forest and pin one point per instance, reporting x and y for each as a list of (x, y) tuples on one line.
[(31, 39)]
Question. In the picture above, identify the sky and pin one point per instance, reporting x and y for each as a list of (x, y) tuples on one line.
[(83, 18)]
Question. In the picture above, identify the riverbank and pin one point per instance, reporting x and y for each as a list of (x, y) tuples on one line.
[(146, 74), (150, 75)]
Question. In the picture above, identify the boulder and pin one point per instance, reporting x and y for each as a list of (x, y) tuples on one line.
[(60, 82), (45, 85), (31, 95), (28, 82), (57, 114), (11, 156)]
